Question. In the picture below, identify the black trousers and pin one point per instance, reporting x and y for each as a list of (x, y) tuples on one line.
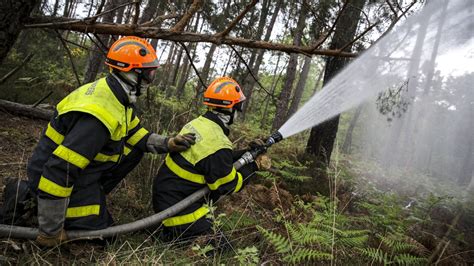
[(90, 190)]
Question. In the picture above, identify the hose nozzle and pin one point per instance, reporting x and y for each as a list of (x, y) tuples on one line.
[(274, 138)]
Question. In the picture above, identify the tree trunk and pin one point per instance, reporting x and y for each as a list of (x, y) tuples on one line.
[(187, 64), (300, 87), (346, 147), (164, 77), (55, 8), (274, 84), (249, 83), (207, 66), (322, 137), (394, 147), (149, 11), (177, 63), (285, 94), (96, 57), (12, 15), (318, 80)]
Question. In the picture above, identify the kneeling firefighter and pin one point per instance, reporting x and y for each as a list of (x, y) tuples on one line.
[(92, 142), (209, 162)]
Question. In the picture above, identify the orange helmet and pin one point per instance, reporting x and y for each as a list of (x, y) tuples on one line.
[(131, 52), (223, 92)]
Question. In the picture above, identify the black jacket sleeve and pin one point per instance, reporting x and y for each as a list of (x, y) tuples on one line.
[(137, 135), (84, 137)]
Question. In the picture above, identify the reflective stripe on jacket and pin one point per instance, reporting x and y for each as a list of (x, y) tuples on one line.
[(93, 130), (209, 162)]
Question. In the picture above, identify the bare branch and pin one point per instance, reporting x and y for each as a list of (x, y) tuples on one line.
[(395, 21), (251, 72), (321, 41), (192, 64), (90, 20), (106, 48), (96, 44), (187, 16), (225, 32), (42, 99), (78, 45), (158, 20), (163, 34), (99, 10), (70, 57), (360, 36), (16, 69), (395, 13)]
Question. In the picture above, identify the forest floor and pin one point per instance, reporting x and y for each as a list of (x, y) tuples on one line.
[(276, 220)]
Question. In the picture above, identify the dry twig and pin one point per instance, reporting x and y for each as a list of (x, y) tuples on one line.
[(225, 32), (179, 27), (70, 57)]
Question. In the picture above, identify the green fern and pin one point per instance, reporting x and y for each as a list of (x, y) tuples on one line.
[(306, 254), (282, 245), (376, 255), (407, 259)]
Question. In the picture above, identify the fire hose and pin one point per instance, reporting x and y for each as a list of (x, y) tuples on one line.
[(20, 232)]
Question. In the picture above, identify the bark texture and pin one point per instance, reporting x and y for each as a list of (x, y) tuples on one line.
[(285, 94), (13, 13), (322, 137)]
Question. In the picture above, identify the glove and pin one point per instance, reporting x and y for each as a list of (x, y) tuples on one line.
[(181, 142), (157, 144), (263, 162), (51, 241), (51, 215), (256, 143)]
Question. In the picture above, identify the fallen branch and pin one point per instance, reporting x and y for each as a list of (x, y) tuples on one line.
[(164, 34), (13, 71), (26, 110)]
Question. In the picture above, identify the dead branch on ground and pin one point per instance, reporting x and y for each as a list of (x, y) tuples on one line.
[(26, 110)]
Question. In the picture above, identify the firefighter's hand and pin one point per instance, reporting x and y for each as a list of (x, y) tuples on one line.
[(51, 241), (181, 142), (157, 144), (256, 143), (263, 162)]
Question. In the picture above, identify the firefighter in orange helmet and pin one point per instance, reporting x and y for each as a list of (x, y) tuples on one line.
[(92, 142), (209, 162)]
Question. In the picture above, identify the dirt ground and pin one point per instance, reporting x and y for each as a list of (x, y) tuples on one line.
[(18, 137)]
